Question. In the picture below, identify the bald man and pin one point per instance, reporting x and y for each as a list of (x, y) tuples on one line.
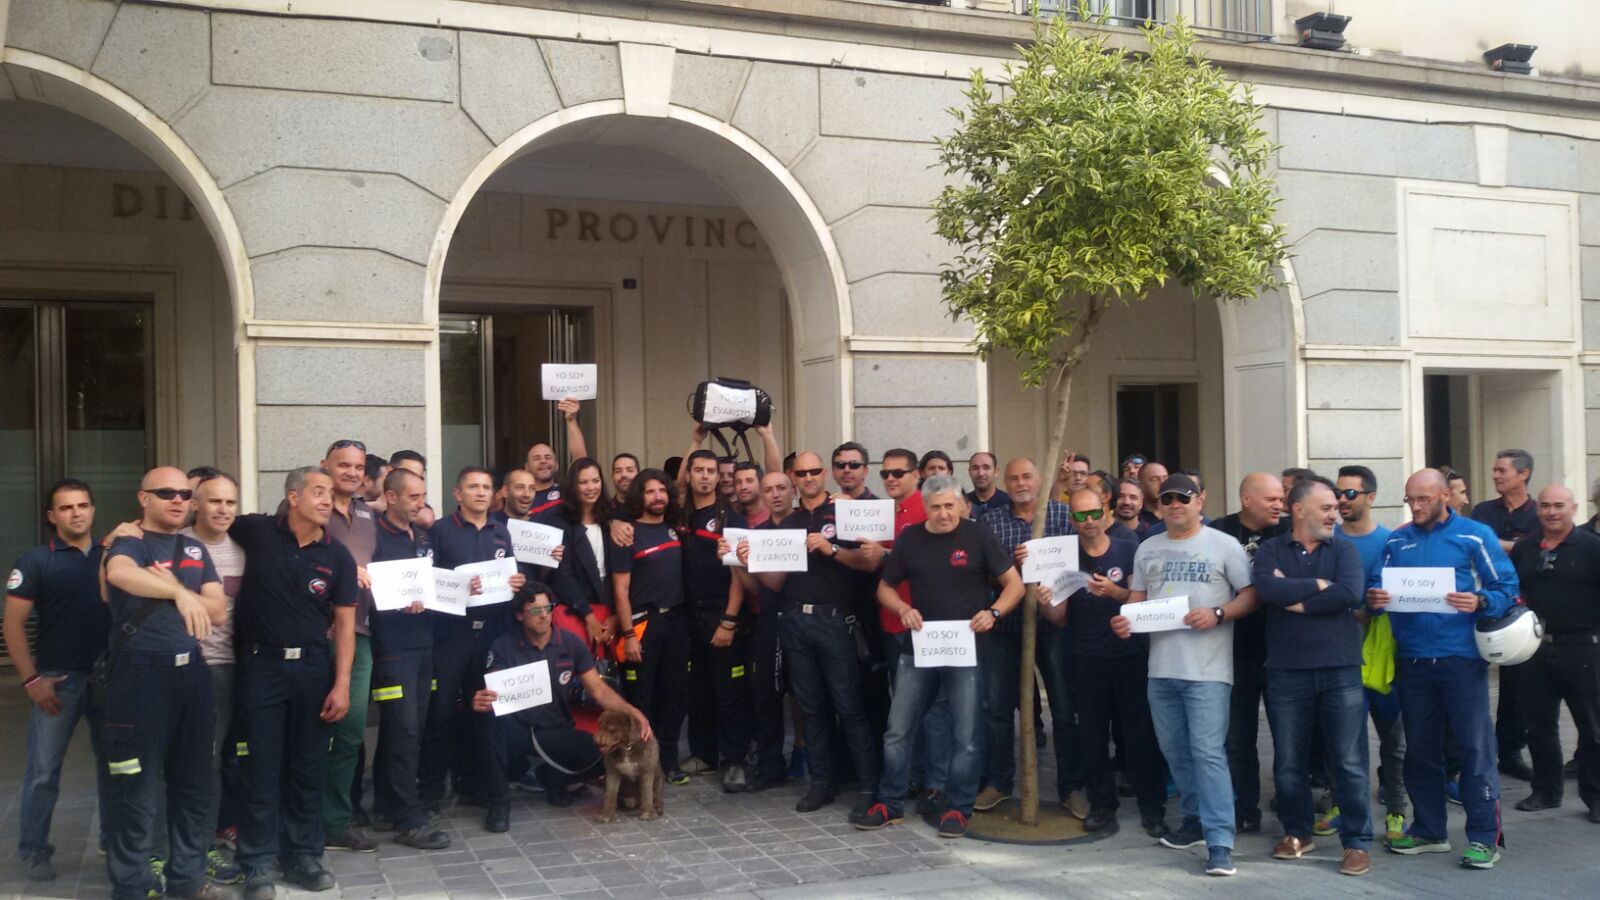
[(1258, 520), (1559, 570), (1151, 474), (1443, 681), (164, 595)]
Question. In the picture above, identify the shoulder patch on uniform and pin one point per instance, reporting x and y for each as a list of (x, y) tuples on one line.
[(566, 677), (499, 553), (192, 551), (490, 661), (15, 580), (553, 495), (828, 531)]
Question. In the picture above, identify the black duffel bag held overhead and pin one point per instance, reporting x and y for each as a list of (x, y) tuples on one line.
[(732, 404)]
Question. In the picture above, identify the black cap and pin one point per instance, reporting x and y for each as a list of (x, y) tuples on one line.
[(1180, 483)]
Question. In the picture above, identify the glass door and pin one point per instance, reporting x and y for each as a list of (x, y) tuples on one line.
[(77, 402)]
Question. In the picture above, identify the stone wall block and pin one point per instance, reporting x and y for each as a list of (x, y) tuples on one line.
[(309, 208), (326, 284), (844, 174), (68, 30), (1361, 318), (893, 381), (709, 84), (1351, 386), (892, 107), (882, 239), (294, 436), (1341, 434), (899, 304), (1346, 260), (289, 376), (1332, 143), (953, 429), (584, 72), (334, 56), (778, 108), (1311, 200), (504, 83), (160, 55)]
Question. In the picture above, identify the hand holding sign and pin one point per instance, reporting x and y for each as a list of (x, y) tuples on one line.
[(733, 536), (1414, 590), (865, 520), (777, 550), (519, 688), (452, 592), (399, 583), (1049, 559), (494, 578), (560, 381), (534, 543), (944, 643), (1165, 614)]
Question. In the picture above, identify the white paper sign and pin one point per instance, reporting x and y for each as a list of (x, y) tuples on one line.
[(519, 688), (1066, 584), (734, 536), (560, 381), (396, 584), (452, 592), (1158, 615), (778, 550), (534, 543), (948, 643), (726, 405), (1048, 558), (1418, 590), (494, 579), (864, 520)]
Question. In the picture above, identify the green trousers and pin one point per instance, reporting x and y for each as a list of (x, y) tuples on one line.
[(345, 746)]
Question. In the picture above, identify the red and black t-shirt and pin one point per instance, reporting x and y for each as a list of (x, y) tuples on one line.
[(654, 564), (826, 579), (949, 573), (705, 579)]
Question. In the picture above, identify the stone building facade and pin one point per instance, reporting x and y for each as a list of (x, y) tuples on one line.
[(333, 218)]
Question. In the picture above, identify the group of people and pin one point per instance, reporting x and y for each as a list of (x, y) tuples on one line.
[(227, 663)]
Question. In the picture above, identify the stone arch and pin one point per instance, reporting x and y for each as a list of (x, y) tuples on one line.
[(43, 79), (790, 223)]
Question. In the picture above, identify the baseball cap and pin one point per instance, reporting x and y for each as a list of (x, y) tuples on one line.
[(1180, 483)]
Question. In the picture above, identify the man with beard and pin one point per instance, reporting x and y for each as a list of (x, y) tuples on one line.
[(541, 461), (747, 494), (520, 495), (1128, 504), (624, 468), (984, 495), (1151, 475)]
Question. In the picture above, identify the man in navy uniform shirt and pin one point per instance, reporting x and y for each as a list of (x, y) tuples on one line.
[(449, 742), (58, 580), (402, 669), (565, 755), (1512, 516), (293, 683), (159, 710)]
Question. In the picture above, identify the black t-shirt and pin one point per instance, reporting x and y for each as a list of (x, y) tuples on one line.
[(1561, 585), (654, 565), (770, 601), (949, 573), (64, 585), (1250, 632), (826, 579), (1089, 617), (544, 501), (457, 542), (396, 629), (164, 631), (288, 592), (568, 658), (1509, 524), (705, 579)]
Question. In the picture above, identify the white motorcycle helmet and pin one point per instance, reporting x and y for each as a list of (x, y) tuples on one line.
[(1511, 639)]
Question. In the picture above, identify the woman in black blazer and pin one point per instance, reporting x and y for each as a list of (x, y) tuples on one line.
[(581, 582)]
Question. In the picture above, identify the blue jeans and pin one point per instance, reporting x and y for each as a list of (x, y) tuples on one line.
[(48, 737), (1451, 691), (930, 744), (1299, 701), (915, 692), (1191, 720)]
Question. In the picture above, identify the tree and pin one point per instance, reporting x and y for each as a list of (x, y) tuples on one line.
[(1098, 175)]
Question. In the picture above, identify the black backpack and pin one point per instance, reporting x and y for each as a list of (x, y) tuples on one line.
[(733, 405)]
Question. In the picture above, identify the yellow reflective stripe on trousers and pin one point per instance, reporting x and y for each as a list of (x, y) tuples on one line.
[(241, 749), (738, 672), (630, 674), (435, 686), (125, 767), (392, 692)]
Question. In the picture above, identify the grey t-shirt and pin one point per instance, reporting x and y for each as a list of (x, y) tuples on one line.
[(1210, 568)]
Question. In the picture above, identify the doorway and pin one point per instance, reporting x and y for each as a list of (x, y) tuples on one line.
[(1160, 422), (492, 408), (1469, 416)]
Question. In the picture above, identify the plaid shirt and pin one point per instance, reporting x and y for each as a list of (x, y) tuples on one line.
[(1012, 531)]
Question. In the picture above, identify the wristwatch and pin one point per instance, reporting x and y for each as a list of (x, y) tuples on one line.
[(994, 612), (1220, 617), (835, 550), (1483, 602)]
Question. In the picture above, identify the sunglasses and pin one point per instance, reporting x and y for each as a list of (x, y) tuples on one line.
[(340, 445), (807, 473), (1087, 514), (171, 493), (1173, 498), (1350, 493), (537, 609), (894, 473), (1133, 461), (837, 464)]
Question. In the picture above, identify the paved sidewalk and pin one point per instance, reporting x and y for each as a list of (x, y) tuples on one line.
[(745, 846)]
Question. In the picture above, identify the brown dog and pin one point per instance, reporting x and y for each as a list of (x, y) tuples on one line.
[(629, 759)]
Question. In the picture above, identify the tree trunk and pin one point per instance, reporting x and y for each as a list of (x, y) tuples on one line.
[(1029, 813)]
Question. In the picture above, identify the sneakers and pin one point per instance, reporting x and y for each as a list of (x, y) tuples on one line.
[(308, 873), (989, 798), (1452, 790), (734, 780), (1328, 824), (423, 838), (1077, 805), (158, 876), (1394, 825), (1188, 835), (952, 824), (1480, 856), (820, 794), (678, 777), (1411, 845), (1292, 847), (36, 866), (221, 869), (694, 765), (932, 803), (1219, 861), (1536, 801), (352, 840), (258, 885), (1355, 862), (877, 816)]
